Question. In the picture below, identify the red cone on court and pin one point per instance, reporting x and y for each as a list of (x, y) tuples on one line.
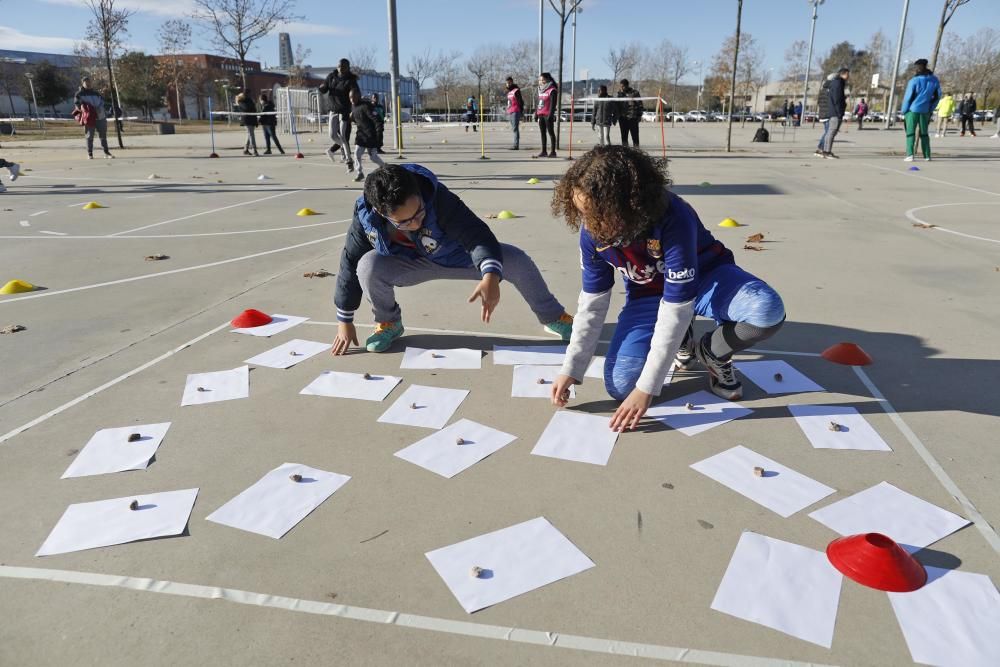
[(876, 561), (250, 318), (299, 156), (848, 354)]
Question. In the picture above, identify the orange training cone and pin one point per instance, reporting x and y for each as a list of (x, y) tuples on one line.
[(250, 318), (876, 561), (848, 354)]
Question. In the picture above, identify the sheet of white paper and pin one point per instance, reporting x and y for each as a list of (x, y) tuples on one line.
[(217, 386), (277, 324), (352, 385), (110, 451), (596, 370), (276, 502), (855, 431), (783, 586), (526, 382), (430, 407), (106, 522), (539, 355), (441, 452), (288, 354), (762, 373), (779, 489), (953, 621), (883, 508), (709, 411), (575, 436), (514, 560), (463, 357)]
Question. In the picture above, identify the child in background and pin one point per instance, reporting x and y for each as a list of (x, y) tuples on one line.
[(268, 122), (246, 107), (368, 137)]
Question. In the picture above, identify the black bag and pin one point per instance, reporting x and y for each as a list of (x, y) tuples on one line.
[(762, 135)]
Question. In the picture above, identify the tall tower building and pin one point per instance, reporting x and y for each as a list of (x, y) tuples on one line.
[(285, 58)]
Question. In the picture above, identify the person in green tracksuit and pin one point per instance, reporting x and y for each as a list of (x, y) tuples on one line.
[(922, 94)]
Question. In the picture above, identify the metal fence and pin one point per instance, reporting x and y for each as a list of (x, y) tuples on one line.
[(305, 108)]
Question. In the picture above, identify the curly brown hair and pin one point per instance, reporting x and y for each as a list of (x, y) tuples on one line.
[(626, 189)]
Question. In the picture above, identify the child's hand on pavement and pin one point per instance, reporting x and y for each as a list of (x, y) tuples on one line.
[(346, 334), (560, 390), (488, 291), (631, 410)]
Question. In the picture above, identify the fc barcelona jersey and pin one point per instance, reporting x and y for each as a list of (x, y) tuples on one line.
[(668, 261)]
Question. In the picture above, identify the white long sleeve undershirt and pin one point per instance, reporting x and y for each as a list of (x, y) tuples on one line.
[(672, 321), (591, 310)]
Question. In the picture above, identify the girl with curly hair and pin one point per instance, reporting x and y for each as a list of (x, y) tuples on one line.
[(673, 269)]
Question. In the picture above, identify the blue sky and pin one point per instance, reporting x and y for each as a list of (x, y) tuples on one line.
[(332, 28)]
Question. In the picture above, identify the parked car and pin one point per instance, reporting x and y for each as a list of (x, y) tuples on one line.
[(649, 116), (675, 116), (695, 116)]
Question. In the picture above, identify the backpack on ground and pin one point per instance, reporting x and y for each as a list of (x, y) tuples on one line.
[(762, 135)]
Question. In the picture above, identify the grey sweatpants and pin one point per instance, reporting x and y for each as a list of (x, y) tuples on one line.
[(380, 275), (338, 134), (371, 153), (101, 127), (831, 133)]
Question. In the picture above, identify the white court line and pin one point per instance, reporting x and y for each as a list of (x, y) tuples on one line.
[(399, 619), (124, 376), (25, 223), (214, 210), (910, 174), (911, 214), (122, 281), (138, 196), (75, 205), (485, 334), (184, 236), (37, 213), (973, 514), (54, 233)]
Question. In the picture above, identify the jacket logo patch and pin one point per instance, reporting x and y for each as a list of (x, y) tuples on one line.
[(430, 244), (373, 237), (653, 248)]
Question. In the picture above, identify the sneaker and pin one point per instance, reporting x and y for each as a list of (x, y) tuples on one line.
[(721, 376), (552, 154), (385, 333), (685, 357), (3, 188), (962, 135), (563, 327), (908, 158), (15, 171), (109, 156), (267, 152), (992, 136), (818, 153), (830, 156), (360, 177), (331, 152), (90, 157), (246, 152), (927, 159), (350, 165), (542, 154)]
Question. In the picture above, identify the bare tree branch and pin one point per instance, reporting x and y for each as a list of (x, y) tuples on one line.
[(947, 12), (363, 58)]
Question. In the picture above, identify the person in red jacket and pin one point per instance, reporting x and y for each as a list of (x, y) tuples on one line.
[(548, 103), (515, 107)]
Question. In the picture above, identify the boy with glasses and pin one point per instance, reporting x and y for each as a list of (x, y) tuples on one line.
[(408, 229)]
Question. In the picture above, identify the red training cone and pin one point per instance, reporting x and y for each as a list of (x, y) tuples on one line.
[(848, 354), (250, 318), (299, 156), (213, 155), (876, 561)]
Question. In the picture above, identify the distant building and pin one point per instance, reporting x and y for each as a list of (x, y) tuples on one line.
[(376, 82), (285, 58), (17, 102), (206, 75)]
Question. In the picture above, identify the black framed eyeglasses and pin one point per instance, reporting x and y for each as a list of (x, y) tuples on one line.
[(402, 223)]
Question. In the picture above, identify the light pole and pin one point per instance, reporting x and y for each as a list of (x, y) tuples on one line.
[(890, 112), (572, 94), (541, 34), (31, 84), (809, 59), (225, 88), (701, 82)]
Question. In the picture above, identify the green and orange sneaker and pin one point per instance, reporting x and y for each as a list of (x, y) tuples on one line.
[(563, 327), (385, 333)]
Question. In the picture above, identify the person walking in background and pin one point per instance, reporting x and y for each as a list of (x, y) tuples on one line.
[(785, 110), (89, 109), (996, 119), (823, 113), (548, 96), (379, 109), (368, 137), (629, 113), (605, 115), (860, 111), (248, 119), (337, 86), (922, 94), (471, 111), (838, 107), (515, 107), (797, 115), (945, 110), (966, 110), (269, 121)]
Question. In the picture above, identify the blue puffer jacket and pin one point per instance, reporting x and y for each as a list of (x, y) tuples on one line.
[(922, 94), (451, 236)]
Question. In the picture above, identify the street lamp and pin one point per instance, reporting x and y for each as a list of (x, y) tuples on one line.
[(572, 94), (812, 35), (225, 88), (31, 84), (701, 82)]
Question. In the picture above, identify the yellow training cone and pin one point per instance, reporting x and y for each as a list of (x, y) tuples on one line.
[(306, 211), (16, 287), (533, 181), (506, 215), (729, 222), (91, 205)]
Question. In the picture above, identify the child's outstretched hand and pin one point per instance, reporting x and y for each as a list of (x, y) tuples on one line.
[(488, 291), (560, 390), (346, 334), (631, 410)]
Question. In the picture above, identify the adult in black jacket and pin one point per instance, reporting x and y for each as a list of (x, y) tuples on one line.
[(368, 138), (966, 109), (337, 87), (838, 107), (245, 105), (267, 124), (629, 114)]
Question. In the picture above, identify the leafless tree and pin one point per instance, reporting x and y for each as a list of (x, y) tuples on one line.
[(479, 67), (235, 25), (947, 12), (621, 61), (175, 38), (564, 10), (363, 58), (972, 64), (297, 74), (448, 79), (107, 30)]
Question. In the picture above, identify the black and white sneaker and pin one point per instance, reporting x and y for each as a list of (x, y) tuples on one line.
[(332, 151), (350, 166), (685, 357), (721, 375)]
